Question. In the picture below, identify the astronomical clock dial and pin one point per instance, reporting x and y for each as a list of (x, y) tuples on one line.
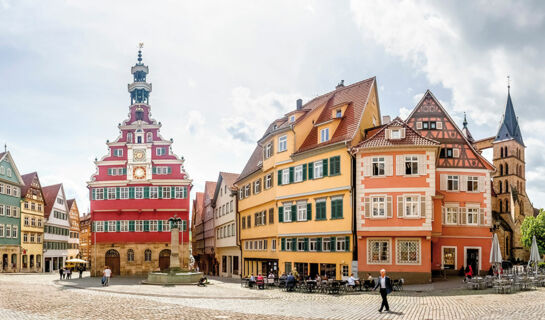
[(139, 172), (139, 155)]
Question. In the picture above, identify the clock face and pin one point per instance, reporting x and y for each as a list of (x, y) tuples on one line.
[(139, 172), (139, 155)]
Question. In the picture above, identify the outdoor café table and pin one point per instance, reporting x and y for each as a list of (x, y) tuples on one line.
[(310, 285), (244, 282)]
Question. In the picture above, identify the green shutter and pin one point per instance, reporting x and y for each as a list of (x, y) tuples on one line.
[(109, 171), (281, 215), (172, 192), (294, 244), (293, 213), (131, 192), (304, 172), (160, 226), (291, 174), (339, 214), (311, 171), (146, 225), (324, 167), (169, 170), (332, 166), (93, 227), (117, 193), (124, 170), (347, 243), (306, 244), (309, 211), (333, 244), (117, 226), (319, 244), (131, 225), (93, 192), (279, 177), (184, 192), (146, 192), (153, 170), (160, 192), (105, 193), (283, 244), (105, 226), (184, 225)]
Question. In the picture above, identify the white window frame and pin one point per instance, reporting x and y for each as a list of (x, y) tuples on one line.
[(111, 193), (292, 118), (118, 152), (257, 186), (179, 192), (8, 231), (454, 207), (139, 192), (300, 244), (138, 225), (477, 211), (318, 169), (375, 201), (312, 244), (474, 181), (302, 211), (268, 150), (124, 226), (370, 242), (112, 224), (340, 244), (282, 143), (287, 212), (99, 193), (165, 193), (395, 134), (378, 161), (288, 244), (286, 176), (418, 261), (411, 159), (273, 245), (160, 151), (415, 200), (99, 226), (268, 182), (324, 135), (326, 244), (153, 192), (124, 193), (454, 179), (298, 173), (153, 226)]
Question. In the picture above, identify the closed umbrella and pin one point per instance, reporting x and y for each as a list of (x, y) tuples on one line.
[(534, 254), (495, 253)]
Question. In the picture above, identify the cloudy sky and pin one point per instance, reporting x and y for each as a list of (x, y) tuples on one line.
[(221, 71)]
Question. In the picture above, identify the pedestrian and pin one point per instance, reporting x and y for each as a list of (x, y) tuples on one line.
[(106, 274), (68, 273), (61, 273), (80, 269), (385, 288)]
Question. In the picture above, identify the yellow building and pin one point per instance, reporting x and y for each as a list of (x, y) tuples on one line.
[(32, 223), (295, 193)]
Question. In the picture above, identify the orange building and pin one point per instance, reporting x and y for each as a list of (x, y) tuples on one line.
[(85, 237), (423, 195)]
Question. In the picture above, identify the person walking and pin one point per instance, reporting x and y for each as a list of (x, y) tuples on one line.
[(68, 273), (80, 269), (385, 288), (60, 273), (106, 274)]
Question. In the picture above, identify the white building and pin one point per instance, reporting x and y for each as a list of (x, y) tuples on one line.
[(56, 228), (227, 248)]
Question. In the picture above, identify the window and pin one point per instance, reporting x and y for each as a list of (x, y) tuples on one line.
[(425, 125), (273, 245), (166, 192), (336, 208), (111, 193), (378, 166), (411, 206), (302, 211), (257, 186), (282, 143), (408, 251), (271, 215), (149, 137), (153, 192), (287, 212), (472, 215), (26, 221), (298, 174), (286, 176), (452, 183), (288, 245), (395, 133), (313, 244), (39, 239), (341, 244), (111, 226), (8, 189), (268, 182), (300, 244), (324, 135), (451, 215), (292, 118), (25, 237), (8, 231), (249, 222), (33, 222), (378, 251), (318, 169), (26, 204), (2, 210), (411, 165), (320, 209), (338, 113), (378, 206), (124, 226), (130, 255), (39, 222), (138, 225), (446, 153), (268, 150), (124, 193), (32, 237), (153, 226), (472, 184), (139, 192), (9, 172), (160, 151), (147, 255), (99, 194), (179, 192), (3, 170), (99, 226), (326, 244), (118, 152)]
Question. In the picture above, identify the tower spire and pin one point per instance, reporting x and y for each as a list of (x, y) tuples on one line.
[(140, 88), (509, 128), (140, 46), (509, 85), (465, 121)]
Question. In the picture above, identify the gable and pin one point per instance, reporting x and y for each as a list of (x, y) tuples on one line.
[(8, 170), (428, 113)]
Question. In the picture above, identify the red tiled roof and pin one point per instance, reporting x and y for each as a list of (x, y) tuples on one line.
[(50, 195), (27, 180), (209, 188), (69, 203), (229, 178), (412, 138)]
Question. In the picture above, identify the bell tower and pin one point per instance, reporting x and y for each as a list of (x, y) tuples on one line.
[(139, 88)]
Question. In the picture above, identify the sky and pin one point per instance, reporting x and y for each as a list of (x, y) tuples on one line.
[(223, 70)]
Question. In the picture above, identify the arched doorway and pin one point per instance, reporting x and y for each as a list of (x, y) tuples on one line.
[(164, 259), (112, 261)]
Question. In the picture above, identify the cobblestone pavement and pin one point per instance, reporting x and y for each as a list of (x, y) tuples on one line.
[(45, 297)]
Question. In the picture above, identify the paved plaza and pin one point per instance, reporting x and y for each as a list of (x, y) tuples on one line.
[(39, 296)]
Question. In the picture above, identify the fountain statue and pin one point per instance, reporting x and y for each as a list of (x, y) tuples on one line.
[(175, 274)]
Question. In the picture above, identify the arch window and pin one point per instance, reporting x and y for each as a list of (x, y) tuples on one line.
[(506, 186), (505, 152), (506, 205), (501, 206), (501, 169), (500, 184), (130, 255), (149, 137), (147, 255), (501, 152), (506, 169), (129, 137)]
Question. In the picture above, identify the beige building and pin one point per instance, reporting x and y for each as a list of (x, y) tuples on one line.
[(73, 242), (32, 223), (227, 248)]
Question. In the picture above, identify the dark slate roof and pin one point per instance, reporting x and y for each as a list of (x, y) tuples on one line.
[(509, 128)]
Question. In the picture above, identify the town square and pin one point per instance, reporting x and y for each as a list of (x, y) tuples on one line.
[(272, 160)]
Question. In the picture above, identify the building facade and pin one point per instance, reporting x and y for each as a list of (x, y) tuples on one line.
[(85, 245), (32, 223), (296, 191), (10, 214), (136, 188), (209, 262), (73, 218), (227, 248), (56, 228), (197, 230)]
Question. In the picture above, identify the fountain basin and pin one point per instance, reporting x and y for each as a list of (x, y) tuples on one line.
[(173, 278)]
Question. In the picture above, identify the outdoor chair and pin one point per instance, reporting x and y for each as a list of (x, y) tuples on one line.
[(369, 284), (333, 288), (398, 284)]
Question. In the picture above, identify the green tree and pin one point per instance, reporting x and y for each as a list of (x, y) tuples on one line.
[(534, 226)]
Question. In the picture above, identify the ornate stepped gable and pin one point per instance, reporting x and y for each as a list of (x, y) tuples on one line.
[(433, 122)]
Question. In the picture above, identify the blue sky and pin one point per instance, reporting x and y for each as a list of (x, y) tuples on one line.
[(222, 70)]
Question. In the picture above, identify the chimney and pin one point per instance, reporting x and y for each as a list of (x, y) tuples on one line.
[(299, 104), (386, 119), (340, 85)]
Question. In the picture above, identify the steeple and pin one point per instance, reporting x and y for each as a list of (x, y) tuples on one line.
[(139, 89), (509, 129), (466, 132)]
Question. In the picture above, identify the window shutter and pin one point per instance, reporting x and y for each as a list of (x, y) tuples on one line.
[(444, 211), (283, 244), (131, 192), (332, 244), (332, 166), (160, 192), (482, 181), (389, 211), (294, 244), (279, 177), (293, 213), (443, 182), (169, 170), (456, 153), (281, 215), (184, 225), (463, 183), (146, 192), (154, 170), (311, 170), (291, 174), (272, 148), (367, 207), (462, 215), (94, 227), (117, 226), (400, 165), (117, 191), (304, 172), (481, 216), (184, 192), (172, 192), (402, 133), (423, 206), (387, 134), (124, 170), (105, 193), (318, 244), (146, 225), (418, 125), (105, 226), (388, 162), (309, 211), (367, 170), (131, 225), (400, 206), (160, 225), (93, 192), (324, 167), (422, 165), (439, 125), (109, 171), (306, 244), (347, 243)]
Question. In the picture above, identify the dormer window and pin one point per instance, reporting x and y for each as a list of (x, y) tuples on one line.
[(292, 119), (396, 133), (338, 113), (324, 135)]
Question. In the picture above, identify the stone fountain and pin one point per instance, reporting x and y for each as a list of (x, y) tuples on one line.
[(175, 274)]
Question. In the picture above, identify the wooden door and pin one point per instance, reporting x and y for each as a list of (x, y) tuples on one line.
[(112, 260), (164, 259)]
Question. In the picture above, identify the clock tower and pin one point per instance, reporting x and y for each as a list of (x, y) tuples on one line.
[(137, 187)]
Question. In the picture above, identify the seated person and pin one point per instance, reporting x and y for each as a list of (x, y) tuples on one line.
[(260, 281), (352, 281), (251, 282), (370, 277), (202, 281), (290, 282), (271, 275)]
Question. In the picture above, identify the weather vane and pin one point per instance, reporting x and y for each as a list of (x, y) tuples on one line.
[(508, 82), (141, 45)]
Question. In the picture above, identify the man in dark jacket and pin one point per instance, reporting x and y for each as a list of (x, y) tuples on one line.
[(383, 282), (290, 282)]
